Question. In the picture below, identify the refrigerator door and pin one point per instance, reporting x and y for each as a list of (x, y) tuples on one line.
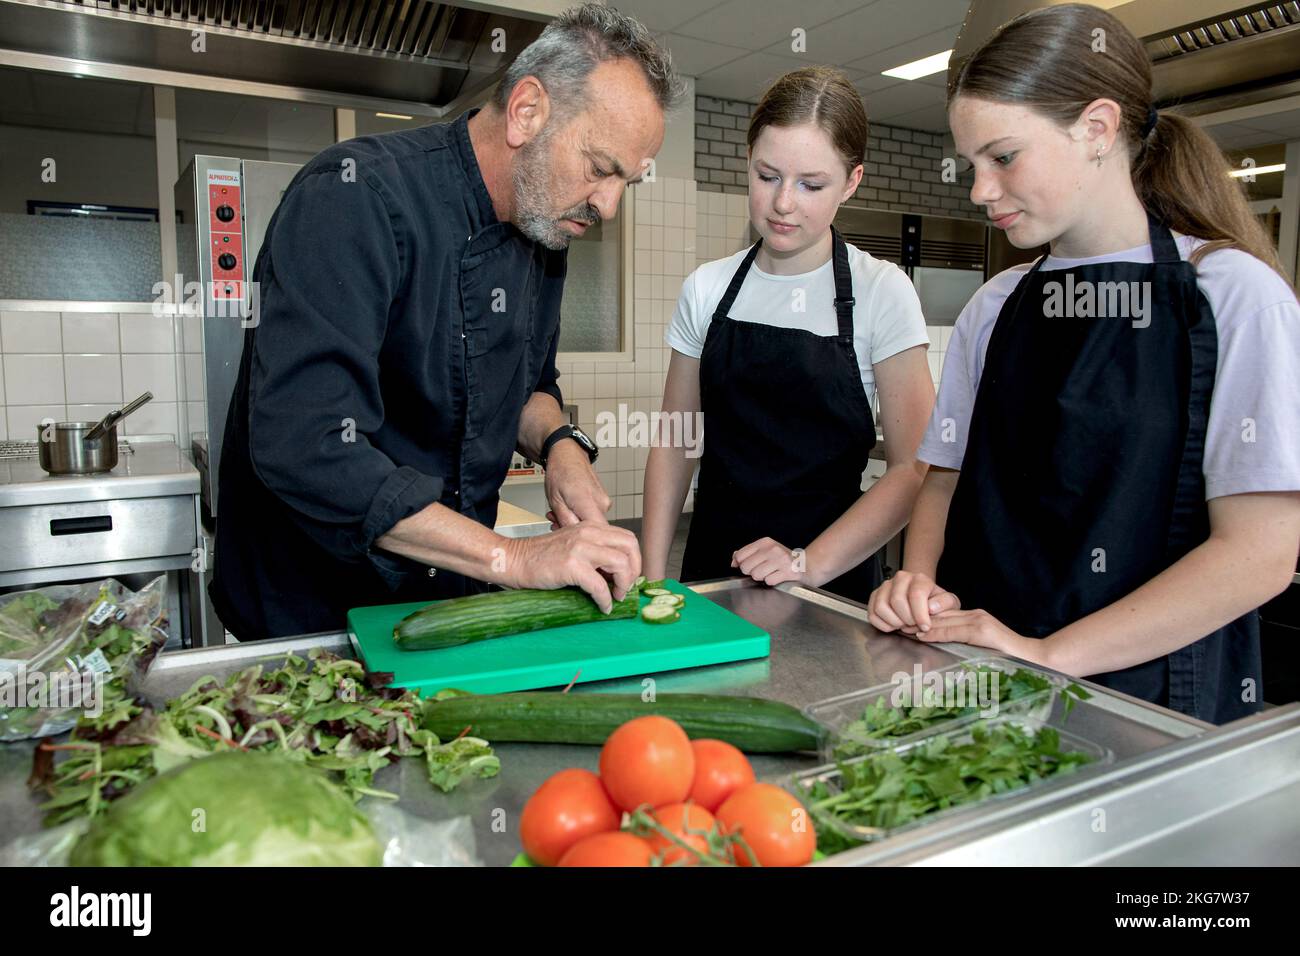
[(944, 292)]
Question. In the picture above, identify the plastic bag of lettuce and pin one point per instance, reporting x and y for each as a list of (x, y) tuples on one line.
[(246, 809), (73, 649)]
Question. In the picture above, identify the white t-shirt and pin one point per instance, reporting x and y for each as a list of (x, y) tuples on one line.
[(886, 317), (1252, 441)]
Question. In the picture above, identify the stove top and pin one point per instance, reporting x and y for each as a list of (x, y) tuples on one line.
[(10, 449), (145, 469)]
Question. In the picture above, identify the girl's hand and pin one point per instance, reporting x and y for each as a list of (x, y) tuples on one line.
[(770, 562), (906, 602), (981, 629)]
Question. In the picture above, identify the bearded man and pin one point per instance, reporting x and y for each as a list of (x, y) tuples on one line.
[(405, 348)]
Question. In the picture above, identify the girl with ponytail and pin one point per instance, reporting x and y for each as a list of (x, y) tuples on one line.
[(1115, 451)]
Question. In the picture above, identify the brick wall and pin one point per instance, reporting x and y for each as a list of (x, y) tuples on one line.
[(903, 171)]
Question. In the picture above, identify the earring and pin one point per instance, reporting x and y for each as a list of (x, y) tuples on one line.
[(1100, 150)]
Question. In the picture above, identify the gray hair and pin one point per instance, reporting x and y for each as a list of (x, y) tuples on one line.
[(572, 45)]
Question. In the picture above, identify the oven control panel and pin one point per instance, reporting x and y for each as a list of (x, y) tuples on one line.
[(226, 228)]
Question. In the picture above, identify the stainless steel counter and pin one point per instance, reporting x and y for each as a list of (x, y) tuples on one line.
[(150, 469), (1177, 791)]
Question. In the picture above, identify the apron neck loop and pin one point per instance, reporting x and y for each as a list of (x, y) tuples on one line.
[(844, 300), (723, 309), (1163, 247)]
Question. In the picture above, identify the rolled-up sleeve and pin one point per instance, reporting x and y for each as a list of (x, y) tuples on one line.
[(330, 272)]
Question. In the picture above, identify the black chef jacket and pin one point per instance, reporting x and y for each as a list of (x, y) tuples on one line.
[(401, 330)]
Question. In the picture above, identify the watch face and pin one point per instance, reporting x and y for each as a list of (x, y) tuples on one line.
[(583, 439)]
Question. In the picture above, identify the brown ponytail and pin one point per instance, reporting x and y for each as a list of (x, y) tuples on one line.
[(1048, 59)]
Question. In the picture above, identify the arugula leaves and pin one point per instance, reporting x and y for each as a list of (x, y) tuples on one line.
[(893, 788), (883, 721)]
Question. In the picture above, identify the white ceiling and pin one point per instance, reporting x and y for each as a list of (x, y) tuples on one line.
[(734, 48), (1283, 127)]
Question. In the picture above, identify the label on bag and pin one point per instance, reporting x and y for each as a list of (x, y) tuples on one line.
[(101, 613), (93, 663)]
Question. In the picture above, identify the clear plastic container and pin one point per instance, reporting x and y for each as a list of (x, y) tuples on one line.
[(831, 774), (839, 714)]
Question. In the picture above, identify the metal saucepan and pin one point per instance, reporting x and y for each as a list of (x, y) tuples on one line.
[(83, 448)]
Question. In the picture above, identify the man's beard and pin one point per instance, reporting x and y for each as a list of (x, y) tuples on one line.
[(532, 181)]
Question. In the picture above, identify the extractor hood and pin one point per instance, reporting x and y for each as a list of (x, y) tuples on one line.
[(1206, 55), (426, 58)]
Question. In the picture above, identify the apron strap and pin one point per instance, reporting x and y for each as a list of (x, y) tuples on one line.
[(723, 309), (1163, 247), (844, 300)]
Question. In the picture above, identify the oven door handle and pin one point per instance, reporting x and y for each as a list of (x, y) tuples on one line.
[(88, 525)]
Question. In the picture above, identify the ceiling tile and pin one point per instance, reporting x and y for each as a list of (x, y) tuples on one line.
[(1286, 123), (879, 28), (935, 41), (868, 83), (746, 79), (694, 57), (665, 15), (931, 119), (1240, 136), (902, 98), (756, 24)]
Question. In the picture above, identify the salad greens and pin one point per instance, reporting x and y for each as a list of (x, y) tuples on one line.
[(892, 788), (883, 721), (101, 627), (232, 809), (320, 712)]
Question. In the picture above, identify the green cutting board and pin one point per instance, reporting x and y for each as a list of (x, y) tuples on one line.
[(706, 634)]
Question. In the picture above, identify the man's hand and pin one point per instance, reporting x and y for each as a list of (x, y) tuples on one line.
[(770, 562), (906, 601), (572, 489), (586, 554)]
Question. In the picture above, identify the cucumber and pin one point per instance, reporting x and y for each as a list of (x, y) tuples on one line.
[(501, 613), (656, 592), (668, 600), (660, 614), (657, 583), (753, 724)]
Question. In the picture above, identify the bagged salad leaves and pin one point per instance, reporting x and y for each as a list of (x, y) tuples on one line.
[(73, 649)]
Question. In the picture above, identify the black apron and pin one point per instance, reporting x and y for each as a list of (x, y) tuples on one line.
[(789, 428), (1082, 478)]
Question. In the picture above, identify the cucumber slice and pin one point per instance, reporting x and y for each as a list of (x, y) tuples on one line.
[(640, 582), (668, 600), (659, 614), (656, 592), (658, 583)]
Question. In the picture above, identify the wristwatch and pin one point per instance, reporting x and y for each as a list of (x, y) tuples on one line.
[(569, 431)]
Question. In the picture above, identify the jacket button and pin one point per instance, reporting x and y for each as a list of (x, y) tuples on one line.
[(433, 572)]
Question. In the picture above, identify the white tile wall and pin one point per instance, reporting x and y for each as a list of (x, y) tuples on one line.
[(664, 254), (80, 365), (91, 332), (29, 332)]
